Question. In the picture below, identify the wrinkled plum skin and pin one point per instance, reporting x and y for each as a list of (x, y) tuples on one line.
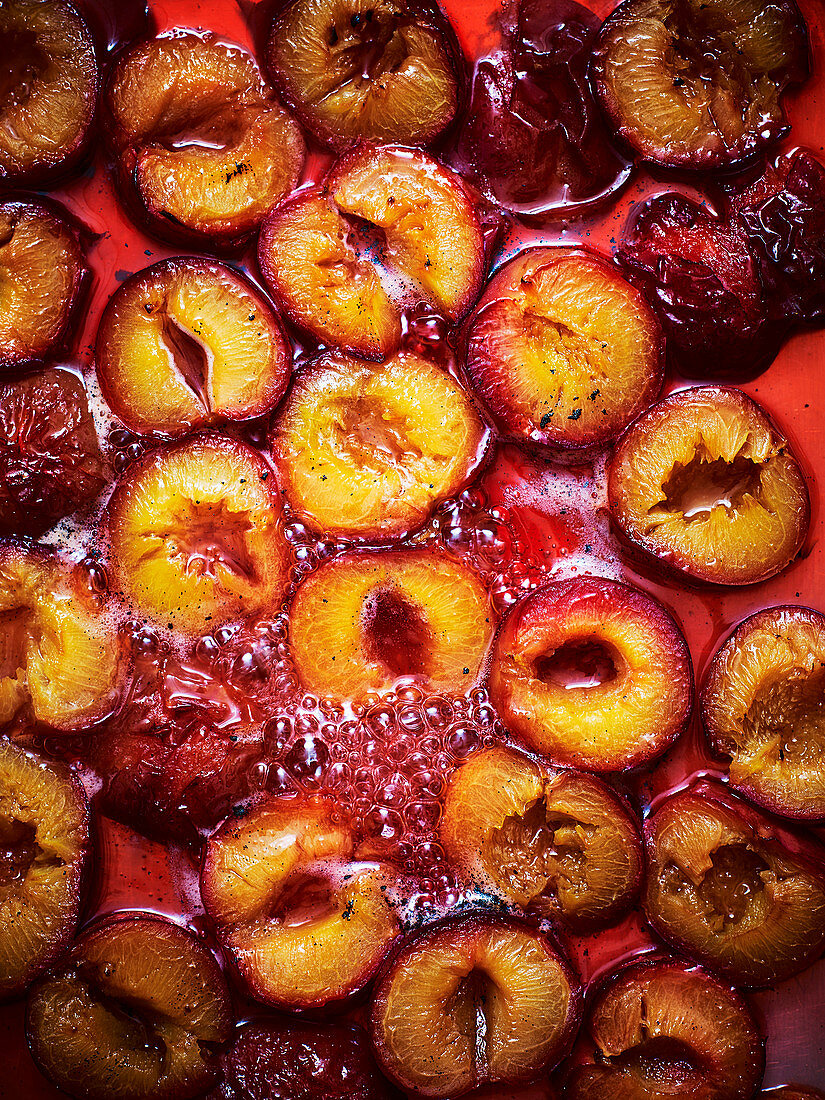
[(50, 459), (532, 109), (783, 217), (300, 1062), (712, 328)]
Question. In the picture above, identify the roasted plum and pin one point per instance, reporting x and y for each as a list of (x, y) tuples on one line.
[(734, 890), (709, 486), (563, 351), (188, 343), (366, 70), (699, 275), (560, 843), (534, 138), (43, 273), (471, 1001), (283, 1060), (381, 209), (763, 706), (305, 925), (194, 534), (792, 1092), (661, 1029), (199, 136), (363, 622), (132, 1012), (698, 83), (782, 214), (593, 674), (367, 450), (44, 843), (51, 464), (48, 88), (58, 653)]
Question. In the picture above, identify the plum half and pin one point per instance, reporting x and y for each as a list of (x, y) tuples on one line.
[(305, 924), (44, 844), (534, 136), (698, 83), (194, 534), (48, 88), (51, 464), (58, 653), (43, 273), (188, 343), (563, 350), (133, 1012), (662, 1029), (708, 485), (281, 1060), (199, 137), (382, 211), (782, 215), (366, 70), (731, 888), (560, 843), (472, 1001), (763, 706), (368, 450), (363, 622), (699, 275), (592, 674)]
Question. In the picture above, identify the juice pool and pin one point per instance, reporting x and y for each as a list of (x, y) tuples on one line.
[(525, 518)]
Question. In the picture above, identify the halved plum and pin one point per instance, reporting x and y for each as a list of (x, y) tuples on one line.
[(305, 924), (592, 674), (134, 1012), (708, 485), (366, 70), (534, 137), (48, 88), (660, 1029), (792, 1092), (782, 215), (733, 889), (471, 1001), (381, 209), (698, 83), (368, 450), (699, 275), (279, 1060), (188, 343), (50, 459), (560, 843), (194, 534), (563, 350), (200, 136), (44, 844), (363, 622), (58, 653), (763, 706), (43, 273)]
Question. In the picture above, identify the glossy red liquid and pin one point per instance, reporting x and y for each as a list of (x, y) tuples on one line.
[(525, 518)]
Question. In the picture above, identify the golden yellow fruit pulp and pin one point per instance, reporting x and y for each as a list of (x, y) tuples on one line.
[(48, 97), (363, 70), (41, 265), (706, 482), (363, 622), (304, 925), (44, 833), (187, 343), (368, 450), (57, 652), (194, 535)]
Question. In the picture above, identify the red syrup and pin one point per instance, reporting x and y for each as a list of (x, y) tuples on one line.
[(524, 519)]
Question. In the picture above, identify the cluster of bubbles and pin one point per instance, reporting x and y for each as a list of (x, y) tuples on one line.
[(125, 447)]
